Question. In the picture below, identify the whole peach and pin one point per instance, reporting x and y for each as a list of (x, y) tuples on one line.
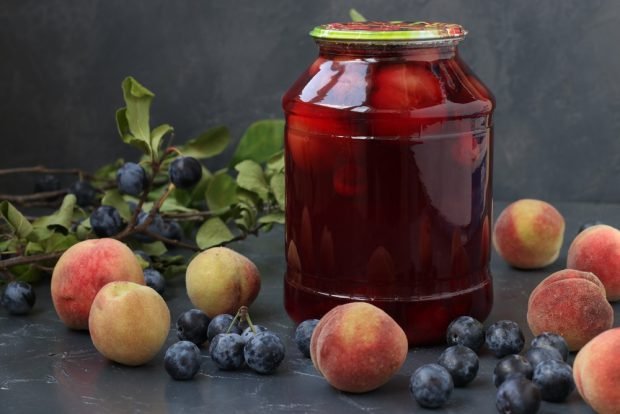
[(528, 234), (358, 347), (128, 322), (597, 250), (571, 304), (220, 280), (84, 269), (597, 372)]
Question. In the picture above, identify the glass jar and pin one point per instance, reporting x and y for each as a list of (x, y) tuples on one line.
[(388, 178)]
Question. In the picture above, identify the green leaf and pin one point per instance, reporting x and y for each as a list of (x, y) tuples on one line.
[(83, 229), (172, 205), (276, 163), (221, 192), (169, 259), (277, 186), (260, 141), (26, 273), (356, 16), (18, 223), (143, 263), (122, 124), (272, 218), (60, 220), (246, 209), (138, 104), (40, 234), (207, 144), (58, 242), (213, 232), (156, 248), (33, 248), (252, 178), (9, 246), (170, 265), (115, 199), (157, 134)]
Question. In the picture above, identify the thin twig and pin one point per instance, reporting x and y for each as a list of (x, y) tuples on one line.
[(19, 260), (27, 198), (44, 268), (40, 169), (171, 241), (189, 215)]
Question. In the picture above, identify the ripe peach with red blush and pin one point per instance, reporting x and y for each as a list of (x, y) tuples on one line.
[(85, 268), (358, 347), (528, 234), (596, 371), (572, 304), (597, 250)]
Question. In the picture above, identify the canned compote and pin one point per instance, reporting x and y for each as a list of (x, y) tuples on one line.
[(388, 177)]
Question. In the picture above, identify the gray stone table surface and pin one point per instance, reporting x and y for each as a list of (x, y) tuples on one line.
[(44, 367)]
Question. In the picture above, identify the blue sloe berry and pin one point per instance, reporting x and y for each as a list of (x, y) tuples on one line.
[(248, 333), (193, 325), (461, 362), (84, 192), (517, 395), (466, 331), (131, 179), (431, 385), (182, 360), (185, 172), (18, 298), (219, 324), (106, 221), (555, 380), (512, 365), (551, 340), (226, 351), (303, 334), (504, 338), (155, 280), (264, 352)]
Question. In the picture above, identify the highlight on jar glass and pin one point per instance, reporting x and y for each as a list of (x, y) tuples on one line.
[(388, 144)]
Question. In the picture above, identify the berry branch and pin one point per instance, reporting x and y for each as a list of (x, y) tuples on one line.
[(143, 203)]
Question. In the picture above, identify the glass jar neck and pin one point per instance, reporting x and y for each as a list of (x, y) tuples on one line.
[(404, 51)]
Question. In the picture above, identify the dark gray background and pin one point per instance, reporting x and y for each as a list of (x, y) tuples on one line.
[(553, 66)]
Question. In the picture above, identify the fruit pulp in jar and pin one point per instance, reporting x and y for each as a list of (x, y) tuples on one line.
[(388, 188)]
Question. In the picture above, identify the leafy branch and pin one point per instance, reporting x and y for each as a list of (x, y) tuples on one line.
[(224, 206)]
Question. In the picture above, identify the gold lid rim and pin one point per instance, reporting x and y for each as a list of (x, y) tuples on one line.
[(389, 31)]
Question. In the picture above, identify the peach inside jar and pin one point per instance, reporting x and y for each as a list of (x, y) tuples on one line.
[(388, 182)]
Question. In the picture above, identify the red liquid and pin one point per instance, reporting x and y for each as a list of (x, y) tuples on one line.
[(388, 187)]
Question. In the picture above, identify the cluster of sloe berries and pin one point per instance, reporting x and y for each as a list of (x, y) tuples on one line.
[(18, 298), (234, 343), (522, 381), (132, 179)]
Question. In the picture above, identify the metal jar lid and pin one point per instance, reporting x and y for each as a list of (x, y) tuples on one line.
[(380, 32)]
